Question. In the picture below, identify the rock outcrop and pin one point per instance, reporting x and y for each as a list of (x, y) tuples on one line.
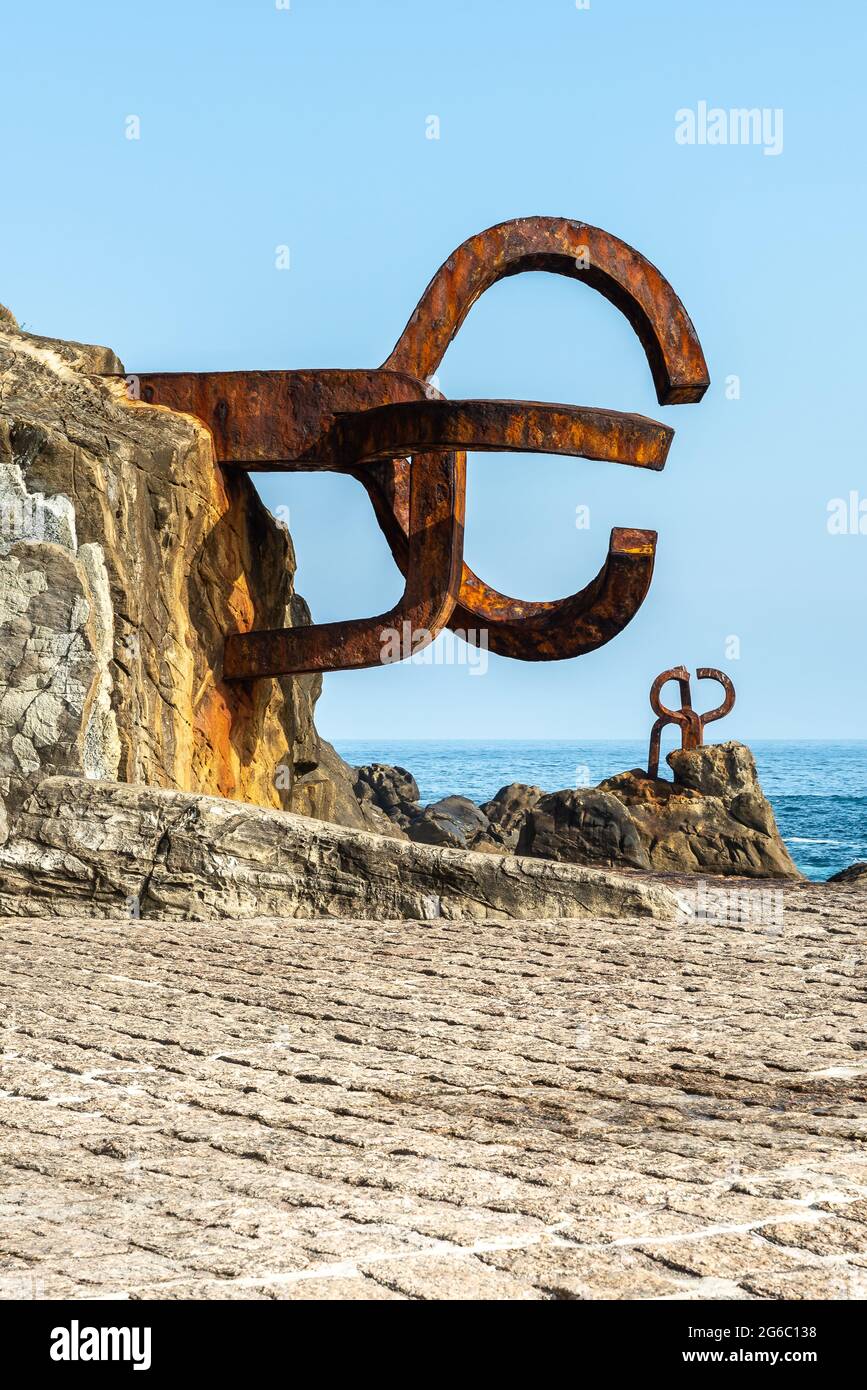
[(712, 819), (855, 873), (389, 793), (126, 556), (454, 821), (506, 813), (107, 849)]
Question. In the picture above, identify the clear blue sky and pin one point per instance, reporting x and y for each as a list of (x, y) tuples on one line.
[(262, 127)]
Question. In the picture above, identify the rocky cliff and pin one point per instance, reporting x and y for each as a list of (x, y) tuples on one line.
[(126, 556)]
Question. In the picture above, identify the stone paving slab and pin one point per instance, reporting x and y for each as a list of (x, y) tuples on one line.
[(436, 1110)]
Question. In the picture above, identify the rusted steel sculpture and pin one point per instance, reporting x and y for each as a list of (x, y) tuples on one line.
[(690, 723), (393, 431)]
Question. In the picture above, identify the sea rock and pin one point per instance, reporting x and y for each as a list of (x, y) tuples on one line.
[(455, 821), (726, 770), (328, 792), (126, 556), (712, 819), (582, 827), (111, 850), (388, 791), (855, 873), (506, 812)]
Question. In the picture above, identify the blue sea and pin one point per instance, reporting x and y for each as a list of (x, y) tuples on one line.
[(818, 789)]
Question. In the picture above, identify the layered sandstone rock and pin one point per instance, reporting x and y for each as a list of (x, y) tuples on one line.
[(107, 849), (126, 556)]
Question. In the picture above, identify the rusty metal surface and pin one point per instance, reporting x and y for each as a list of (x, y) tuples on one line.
[(499, 427), (390, 429), (580, 252), (433, 578), (276, 421), (690, 723)]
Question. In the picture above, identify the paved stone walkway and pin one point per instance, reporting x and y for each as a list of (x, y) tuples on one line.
[(330, 1109)]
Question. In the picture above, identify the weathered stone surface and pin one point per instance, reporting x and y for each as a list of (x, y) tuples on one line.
[(455, 821), (401, 1110), (506, 812), (112, 850), (126, 556), (712, 819), (582, 827), (328, 792), (724, 770)]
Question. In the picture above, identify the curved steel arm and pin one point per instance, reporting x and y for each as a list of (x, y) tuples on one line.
[(433, 576), (531, 631), (500, 427), (570, 626), (580, 252)]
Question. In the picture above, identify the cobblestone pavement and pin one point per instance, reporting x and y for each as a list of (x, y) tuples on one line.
[(332, 1109)]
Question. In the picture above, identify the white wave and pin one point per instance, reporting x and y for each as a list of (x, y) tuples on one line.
[(806, 840)]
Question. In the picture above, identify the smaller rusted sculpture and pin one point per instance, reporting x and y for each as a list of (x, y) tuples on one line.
[(690, 723)]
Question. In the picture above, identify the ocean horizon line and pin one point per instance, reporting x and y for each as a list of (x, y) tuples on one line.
[(610, 738)]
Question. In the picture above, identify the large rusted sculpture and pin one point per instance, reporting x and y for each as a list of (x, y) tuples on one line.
[(690, 723), (393, 431)]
